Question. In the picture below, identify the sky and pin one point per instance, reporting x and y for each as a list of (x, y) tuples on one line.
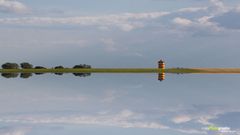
[(120, 33)]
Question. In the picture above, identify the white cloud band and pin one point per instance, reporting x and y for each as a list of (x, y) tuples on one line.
[(12, 6)]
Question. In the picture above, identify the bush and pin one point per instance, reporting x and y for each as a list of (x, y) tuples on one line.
[(78, 66), (10, 66), (39, 67), (59, 67), (26, 65), (82, 66)]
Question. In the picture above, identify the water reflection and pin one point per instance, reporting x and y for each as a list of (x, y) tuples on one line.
[(10, 75), (161, 76), (82, 74), (135, 102), (25, 75), (58, 73), (28, 75)]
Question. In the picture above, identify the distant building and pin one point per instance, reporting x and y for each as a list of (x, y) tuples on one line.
[(161, 65)]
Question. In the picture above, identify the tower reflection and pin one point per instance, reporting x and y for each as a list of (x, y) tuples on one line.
[(161, 65), (161, 76)]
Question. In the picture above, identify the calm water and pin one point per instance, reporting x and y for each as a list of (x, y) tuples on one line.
[(120, 104)]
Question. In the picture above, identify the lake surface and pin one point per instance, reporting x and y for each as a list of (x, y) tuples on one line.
[(120, 104)]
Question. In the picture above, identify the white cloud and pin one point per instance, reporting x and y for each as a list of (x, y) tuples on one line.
[(14, 131), (202, 24), (182, 21), (123, 119), (198, 118), (218, 6), (215, 18), (217, 3), (191, 131), (181, 119), (205, 119), (12, 6), (198, 19), (205, 20), (238, 8), (126, 21), (193, 9)]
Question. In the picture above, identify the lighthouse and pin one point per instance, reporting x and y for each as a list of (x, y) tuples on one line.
[(161, 65)]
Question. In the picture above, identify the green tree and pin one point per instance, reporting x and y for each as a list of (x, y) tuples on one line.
[(39, 67), (59, 67), (26, 65), (10, 66), (82, 66)]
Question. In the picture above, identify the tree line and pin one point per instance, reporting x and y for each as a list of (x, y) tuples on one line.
[(26, 65)]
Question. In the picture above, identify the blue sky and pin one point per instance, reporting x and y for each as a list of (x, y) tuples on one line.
[(150, 30), (119, 33)]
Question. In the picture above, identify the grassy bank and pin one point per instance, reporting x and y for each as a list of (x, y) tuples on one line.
[(128, 70), (100, 70), (217, 70)]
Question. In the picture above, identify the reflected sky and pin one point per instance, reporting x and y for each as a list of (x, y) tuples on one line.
[(120, 34), (130, 103)]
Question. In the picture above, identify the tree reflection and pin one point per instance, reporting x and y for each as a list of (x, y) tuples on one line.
[(39, 70), (28, 75), (25, 75), (82, 74), (161, 76), (9, 75), (58, 73), (39, 73)]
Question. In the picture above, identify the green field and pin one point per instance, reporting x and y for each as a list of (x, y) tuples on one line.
[(128, 70)]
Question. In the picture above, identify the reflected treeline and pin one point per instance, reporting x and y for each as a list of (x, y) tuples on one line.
[(10, 75), (25, 75), (28, 75), (15, 75), (26, 65), (82, 74)]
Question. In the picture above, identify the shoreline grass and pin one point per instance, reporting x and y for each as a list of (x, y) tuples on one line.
[(129, 70), (92, 70)]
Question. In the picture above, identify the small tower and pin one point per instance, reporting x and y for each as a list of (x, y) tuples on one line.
[(161, 65)]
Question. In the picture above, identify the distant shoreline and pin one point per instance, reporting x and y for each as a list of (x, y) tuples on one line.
[(129, 70)]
